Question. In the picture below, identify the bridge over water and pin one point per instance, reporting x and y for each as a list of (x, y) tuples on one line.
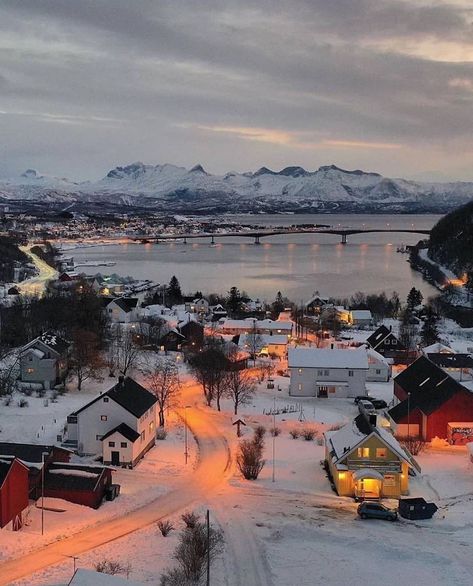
[(258, 234)]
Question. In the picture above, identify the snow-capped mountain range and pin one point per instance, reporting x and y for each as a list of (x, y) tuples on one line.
[(329, 188)]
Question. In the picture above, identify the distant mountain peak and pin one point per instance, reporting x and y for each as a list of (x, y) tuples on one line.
[(198, 169), (30, 174), (340, 170), (294, 172), (264, 171)]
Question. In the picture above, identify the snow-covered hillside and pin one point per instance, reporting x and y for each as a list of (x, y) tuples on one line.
[(291, 188)]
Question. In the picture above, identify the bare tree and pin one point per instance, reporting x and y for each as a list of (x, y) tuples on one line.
[(209, 368), (250, 459), (162, 377), (241, 388), (86, 359), (254, 342), (127, 350), (9, 363)]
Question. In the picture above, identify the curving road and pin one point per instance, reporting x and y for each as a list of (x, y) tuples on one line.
[(36, 285), (212, 468)]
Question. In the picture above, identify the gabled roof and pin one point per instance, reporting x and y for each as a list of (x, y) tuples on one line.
[(51, 341), (124, 430), (127, 304), (429, 388), (361, 314), (445, 360), (29, 453), (72, 476), (380, 335), (326, 358), (437, 348), (128, 394), (6, 466)]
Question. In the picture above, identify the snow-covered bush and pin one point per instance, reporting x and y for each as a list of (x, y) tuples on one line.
[(161, 433), (275, 431), (112, 567), (250, 459), (190, 519), (309, 433), (165, 527), (23, 403), (294, 433)]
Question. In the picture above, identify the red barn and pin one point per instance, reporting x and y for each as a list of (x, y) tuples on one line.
[(430, 400), (13, 492)]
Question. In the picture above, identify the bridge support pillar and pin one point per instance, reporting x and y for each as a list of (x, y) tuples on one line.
[(344, 239), (212, 241), (257, 240), (185, 240)]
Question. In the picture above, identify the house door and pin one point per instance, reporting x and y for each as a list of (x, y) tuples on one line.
[(115, 458)]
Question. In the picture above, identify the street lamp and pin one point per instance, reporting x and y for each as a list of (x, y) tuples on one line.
[(42, 490), (186, 451), (408, 415), (274, 439)]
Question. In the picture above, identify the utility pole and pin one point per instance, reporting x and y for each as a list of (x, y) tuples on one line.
[(42, 490), (408, 416), (274, 440)]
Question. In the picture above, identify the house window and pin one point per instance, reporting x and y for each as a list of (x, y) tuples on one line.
[(30, 370), (103, 418), (143, 436), (123, 445), (350, 373), (98, 437), (111, 444), (363, 452), (378, 371), (326, 372), (300, 387), (381, 452), (320, 373), (72, 419), (105, 399)]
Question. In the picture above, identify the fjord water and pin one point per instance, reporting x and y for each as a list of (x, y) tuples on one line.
[(295, 264)]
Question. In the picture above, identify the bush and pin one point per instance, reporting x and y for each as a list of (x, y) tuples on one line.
[(415, 445), (294, 433), (336, 427), (165, 527), (308, 434), (275, 431), (7, 400), (260, 432), (112, 567), (161, 433), (191, 553), (23, 403), (190, 519), (250, 459)]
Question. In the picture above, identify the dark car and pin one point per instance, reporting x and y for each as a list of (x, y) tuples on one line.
[(360, 398), (379, 403), (369, 510)]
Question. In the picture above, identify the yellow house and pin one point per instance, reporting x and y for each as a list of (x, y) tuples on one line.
[(366, 461)]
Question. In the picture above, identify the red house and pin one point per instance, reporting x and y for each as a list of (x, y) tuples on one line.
[(13, 492), (432, 404)]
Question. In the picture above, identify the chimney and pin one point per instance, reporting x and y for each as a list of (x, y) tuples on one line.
[(121, 379), (390, 328), (372, 420), (331, 346)]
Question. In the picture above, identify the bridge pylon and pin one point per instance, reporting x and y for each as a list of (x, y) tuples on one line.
[(257, 239), (344, 239)]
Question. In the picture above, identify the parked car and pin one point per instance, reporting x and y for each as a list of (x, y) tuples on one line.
[(369, 510), (361, 398), (365, 406), (379, 403)]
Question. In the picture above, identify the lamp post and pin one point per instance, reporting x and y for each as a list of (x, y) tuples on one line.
[(186, 451), (408, 416), (42, 490), (274, 439)]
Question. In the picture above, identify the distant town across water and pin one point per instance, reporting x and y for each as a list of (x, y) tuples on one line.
[(295, 264)]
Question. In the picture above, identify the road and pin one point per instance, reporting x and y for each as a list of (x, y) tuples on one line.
[(213, 466), (36, 285)]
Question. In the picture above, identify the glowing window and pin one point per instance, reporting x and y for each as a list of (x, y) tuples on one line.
[(363, 452)]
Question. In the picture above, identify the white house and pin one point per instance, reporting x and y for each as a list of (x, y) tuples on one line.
[(264, 344), (327, 372), (379, 367), (360, 317), (118, 415), (198, 306), (252, 325), (44, 360), (122, 310)]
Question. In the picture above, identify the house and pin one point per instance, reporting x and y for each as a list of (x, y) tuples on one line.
[(83, 485), (199, 306), (430, 403), (438, 348), (120, 446), (379, 367), (218, 312), (68, 276), (458, 366), (341, 314), (315, 304), (122, 310), (360, 318), (193, 333), (367, 462), (171, 341), (386, 343), (44, 360), (327, 372), (127, 403), (252, 325), (13, 492), (83, 577), (264, 344)]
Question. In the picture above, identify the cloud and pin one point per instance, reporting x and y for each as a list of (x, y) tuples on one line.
[(237, 84)]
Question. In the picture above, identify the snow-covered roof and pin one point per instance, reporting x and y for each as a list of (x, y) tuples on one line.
[(374, 356), (262, 340), (327, 358), (361, 314), (249, 323), (438, 348)]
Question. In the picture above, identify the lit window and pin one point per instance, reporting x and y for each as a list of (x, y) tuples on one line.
[(381, 452), (30, 370), (103, 418), (299, 370), (300, 387), (363, 452), (111, 444)]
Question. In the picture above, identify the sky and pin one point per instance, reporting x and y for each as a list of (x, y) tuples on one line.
[(381, 85)]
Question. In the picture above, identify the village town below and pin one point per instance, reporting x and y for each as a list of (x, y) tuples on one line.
[(139, 421)]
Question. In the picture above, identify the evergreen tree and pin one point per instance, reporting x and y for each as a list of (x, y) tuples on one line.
[(234, 300), (174, 293), (278, 304), (414, 298), (429, 333)]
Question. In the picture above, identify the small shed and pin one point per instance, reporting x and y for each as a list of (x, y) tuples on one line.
[(416, 508)]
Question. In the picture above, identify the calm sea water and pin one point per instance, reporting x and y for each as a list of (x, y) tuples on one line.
[(296, 265)]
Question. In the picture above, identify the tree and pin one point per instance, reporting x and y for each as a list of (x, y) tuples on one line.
[(429, 333), (209, 368), (86, 359), (408, 330), (241, 388), (254, 341), (414, 299), (127, 351), (250, 459), (278, 305), (234, 300), (162, 377), (174, 291)]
